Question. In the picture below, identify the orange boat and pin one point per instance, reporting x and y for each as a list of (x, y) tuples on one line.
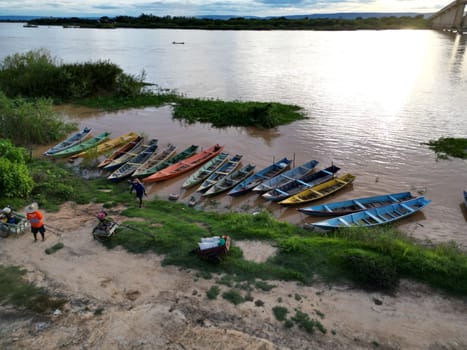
[(185, 165)]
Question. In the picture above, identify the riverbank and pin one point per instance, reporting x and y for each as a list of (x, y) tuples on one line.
[(122, 300)]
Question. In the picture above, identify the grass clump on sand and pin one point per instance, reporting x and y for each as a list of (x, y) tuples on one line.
[(54, 248), (16, 291)]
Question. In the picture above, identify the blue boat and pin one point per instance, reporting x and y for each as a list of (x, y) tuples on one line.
[(231, 180), (375, 216), (132, 164), (69, 142), (292, 174), (298, 185), (256, 179), (224, 170), (465, 198), (355, 205)]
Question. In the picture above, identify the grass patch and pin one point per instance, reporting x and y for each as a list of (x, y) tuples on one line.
[(280, 312), (213, 292), (449, 146), (234, 296), (303, 321), (14, 290), (54, 248), (373, 259)]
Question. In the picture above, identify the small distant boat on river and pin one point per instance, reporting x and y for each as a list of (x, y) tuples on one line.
[(264, 174), (375, 216), (69, 142), (292, 174), (82, 146), (465, 198), (319, 191), (178, 42), (355, 205)]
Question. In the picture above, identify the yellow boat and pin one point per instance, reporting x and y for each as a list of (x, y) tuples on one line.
[(108, 145), (319, 191)]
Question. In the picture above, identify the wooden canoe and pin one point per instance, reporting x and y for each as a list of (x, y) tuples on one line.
[(185, 165), (120, 152), (155, 159), (319, 191), (355, 205), (298, 185), (375, 216), (224, 170), (118, 162), (107, 145), (293, 174), (187, 152), (231, 180), (133, 163), (264, 174), (72, 140), (82, 146), (207, 169)]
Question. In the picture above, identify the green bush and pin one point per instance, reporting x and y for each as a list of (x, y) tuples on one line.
[(37, 74), (213, 292), (280, 312), (31, 122), (15, 180)]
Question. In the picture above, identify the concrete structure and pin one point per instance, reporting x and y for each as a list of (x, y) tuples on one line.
[(451, 17)]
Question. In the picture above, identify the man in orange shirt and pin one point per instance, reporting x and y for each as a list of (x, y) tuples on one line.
[(36, 219)]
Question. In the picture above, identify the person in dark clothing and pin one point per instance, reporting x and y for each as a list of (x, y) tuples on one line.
[(138, 187)]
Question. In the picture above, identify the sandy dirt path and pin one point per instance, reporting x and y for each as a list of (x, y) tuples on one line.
[(118, 300)]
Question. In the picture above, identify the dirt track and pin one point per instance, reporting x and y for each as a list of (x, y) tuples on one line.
[(117, 300)]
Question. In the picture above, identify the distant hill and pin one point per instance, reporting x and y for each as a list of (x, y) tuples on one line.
[(343, 15), (18, 18)]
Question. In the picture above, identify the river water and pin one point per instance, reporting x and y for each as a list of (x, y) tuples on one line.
[(372, 98)]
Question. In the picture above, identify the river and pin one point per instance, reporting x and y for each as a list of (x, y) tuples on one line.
[(372, 98)]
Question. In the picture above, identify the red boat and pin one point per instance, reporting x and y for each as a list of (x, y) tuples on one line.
[(185, 165)]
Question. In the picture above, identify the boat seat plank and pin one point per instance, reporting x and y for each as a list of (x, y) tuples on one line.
[(327, 172), (343, 221), (282, 192), (375, 218), (327, 208), (303, 183), (406, 207), (359, 204)]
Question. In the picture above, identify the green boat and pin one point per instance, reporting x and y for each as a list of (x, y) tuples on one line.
[(188, 152), (85, 145)]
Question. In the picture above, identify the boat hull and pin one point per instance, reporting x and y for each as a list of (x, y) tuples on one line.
[(375, 216), (256, 179), (355, 205)]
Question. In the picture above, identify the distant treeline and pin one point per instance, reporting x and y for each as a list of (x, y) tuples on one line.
[(240, 23)]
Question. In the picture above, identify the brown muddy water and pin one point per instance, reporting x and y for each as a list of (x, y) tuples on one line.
[(411, 168)]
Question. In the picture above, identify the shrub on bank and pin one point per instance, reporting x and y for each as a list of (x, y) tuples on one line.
[(37, 74), (15, 179), (27, 122)]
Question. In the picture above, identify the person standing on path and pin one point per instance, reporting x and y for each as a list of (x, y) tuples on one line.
[(139, 189), (36, 218)]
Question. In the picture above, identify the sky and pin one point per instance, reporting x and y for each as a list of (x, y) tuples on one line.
[(262, 8)]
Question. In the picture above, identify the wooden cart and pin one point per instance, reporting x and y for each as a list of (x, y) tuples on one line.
[(214, 254)]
